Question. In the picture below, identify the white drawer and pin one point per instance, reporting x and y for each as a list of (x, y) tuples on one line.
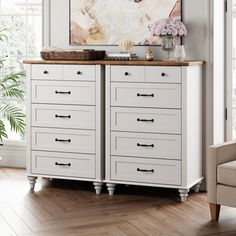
[(63, 92), (160, 146), (146, 95), (63, 164), (128, 73), (47, 72), (63, 116), (79, 72), (64, 140), (163, 74), (146, 120), (146, 170)]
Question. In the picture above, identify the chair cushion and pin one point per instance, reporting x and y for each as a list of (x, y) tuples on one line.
[(226, 173)]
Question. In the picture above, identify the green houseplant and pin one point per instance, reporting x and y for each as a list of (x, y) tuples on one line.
[(10, 89)]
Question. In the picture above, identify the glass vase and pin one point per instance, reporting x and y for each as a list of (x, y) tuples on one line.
[(168, 45), (180, 53)]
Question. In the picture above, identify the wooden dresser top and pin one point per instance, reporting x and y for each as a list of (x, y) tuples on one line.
[(106, 62)]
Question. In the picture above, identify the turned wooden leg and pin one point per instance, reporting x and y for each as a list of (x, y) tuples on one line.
[(196, 188), (97, 187), (215, 211), (32, 181), (111, 189), (183, 193)]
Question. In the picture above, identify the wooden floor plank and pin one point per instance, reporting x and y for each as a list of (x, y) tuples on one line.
[(5, 229), (71, 208), (12, 219)]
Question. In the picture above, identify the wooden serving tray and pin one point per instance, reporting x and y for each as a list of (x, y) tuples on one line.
[(73, 55)]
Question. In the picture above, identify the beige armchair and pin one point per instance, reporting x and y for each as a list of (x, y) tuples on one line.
[(221, 177)]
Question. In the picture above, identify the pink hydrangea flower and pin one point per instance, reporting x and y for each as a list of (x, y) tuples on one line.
[(168, 26)]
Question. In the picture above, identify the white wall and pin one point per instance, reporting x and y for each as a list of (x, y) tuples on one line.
[(199, 18)]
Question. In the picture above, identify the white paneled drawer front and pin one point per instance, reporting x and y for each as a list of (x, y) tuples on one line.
[(163, 74), (63, 92), (128, 73), (79, 72), (146, 170), (65, 140), (63, 164), (146, 95), (160, 146), (47, 72), (146, 120), (63, 116)]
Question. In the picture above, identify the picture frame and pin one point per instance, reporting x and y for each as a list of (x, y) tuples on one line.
[(94, 22)]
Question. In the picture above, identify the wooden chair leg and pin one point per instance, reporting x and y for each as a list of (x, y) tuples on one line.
[(215, 211)]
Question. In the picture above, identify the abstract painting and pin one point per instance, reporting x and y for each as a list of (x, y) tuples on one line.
[(108, 22)]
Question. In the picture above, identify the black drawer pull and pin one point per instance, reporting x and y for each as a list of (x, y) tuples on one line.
[(79, 73), (145, 145), (145, 120), (58, 116), (145, 95), (143, 170), (163, 74), (46, 72), (62, 140), (126, 73), (61, 92), (62, 164)]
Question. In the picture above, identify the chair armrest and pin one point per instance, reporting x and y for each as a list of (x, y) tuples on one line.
[(217, 154)]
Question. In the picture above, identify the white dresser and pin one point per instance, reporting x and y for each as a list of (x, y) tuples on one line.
[(154, 126), (65, 126)]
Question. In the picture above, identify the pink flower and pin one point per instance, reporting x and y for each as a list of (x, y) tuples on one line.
[(167, 26), (164, 32)]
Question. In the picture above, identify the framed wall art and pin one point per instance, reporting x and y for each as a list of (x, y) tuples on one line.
[(108, 22)]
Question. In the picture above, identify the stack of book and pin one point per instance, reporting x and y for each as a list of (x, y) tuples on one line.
[(121, 56)]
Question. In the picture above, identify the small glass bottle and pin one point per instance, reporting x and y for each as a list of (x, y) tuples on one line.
[(149, 55)]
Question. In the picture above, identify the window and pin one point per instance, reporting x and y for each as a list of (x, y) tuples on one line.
[(23, 19)]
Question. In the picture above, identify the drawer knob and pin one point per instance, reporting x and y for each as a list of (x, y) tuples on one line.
[(144, 170), (46, 72), (145, 95), (79, 73), (163, 74), (126, 73), (62, 164), (61, 92), (63, 140), (59, 116), (145, 145), (145, 120)]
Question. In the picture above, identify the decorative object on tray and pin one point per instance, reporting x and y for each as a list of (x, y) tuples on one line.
[(149, 55), (126, 45), (77, 55), (126, 54), (169, 30)]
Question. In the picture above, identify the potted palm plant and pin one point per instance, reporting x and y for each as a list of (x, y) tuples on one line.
[(10, 89)]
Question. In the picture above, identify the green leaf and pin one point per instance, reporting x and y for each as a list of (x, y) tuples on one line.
[(15, 116), (3, 133), (9, 85)]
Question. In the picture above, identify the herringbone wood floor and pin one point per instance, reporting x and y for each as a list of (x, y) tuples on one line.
[(71, 208)]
